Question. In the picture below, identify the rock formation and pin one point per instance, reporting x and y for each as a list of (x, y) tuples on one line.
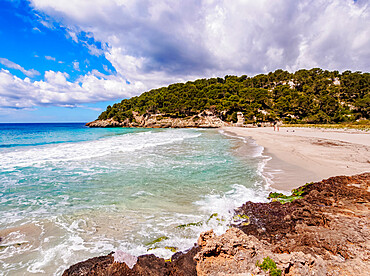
[(241, 119), (324, 232), (205, 119), (234, 253), (181, 264)]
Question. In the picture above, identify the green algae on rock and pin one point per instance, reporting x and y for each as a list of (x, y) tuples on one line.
[(157, 240), (199, 223), (296, 194)]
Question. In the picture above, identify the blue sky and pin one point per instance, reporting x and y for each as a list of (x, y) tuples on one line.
[(39, 45), (67, 60)]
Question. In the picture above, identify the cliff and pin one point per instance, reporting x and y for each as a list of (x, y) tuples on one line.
[(205, 119), (322, 229)]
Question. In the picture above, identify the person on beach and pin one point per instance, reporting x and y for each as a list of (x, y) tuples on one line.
[(274, 125), (278, 125)]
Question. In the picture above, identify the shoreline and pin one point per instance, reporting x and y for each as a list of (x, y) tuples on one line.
[(322, 231), (296, 235), (303, 155)]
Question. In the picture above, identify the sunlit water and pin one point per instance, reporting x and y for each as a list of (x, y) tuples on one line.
[(68, 192)]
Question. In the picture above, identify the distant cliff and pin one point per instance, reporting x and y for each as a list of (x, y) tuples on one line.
[(205, 119)]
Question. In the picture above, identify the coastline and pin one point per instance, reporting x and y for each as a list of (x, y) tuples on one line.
[(308, 234), (302, 155), (323, 231)]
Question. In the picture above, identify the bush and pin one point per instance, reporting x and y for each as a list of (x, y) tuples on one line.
[(269, 265)]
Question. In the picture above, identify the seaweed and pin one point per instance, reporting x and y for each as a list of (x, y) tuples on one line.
[(199, 223), (157, 240), (282, 198), (212, 216), (172, 248), (296, 194), (242, 220)]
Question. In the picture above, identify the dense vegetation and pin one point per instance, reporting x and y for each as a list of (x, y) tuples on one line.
[(306, 96)]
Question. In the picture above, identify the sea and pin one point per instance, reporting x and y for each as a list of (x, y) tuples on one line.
[(69, 192)]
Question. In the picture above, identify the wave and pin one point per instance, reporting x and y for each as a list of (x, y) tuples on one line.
[(29, 145), (91, 149), (257, 152), (137, 207)]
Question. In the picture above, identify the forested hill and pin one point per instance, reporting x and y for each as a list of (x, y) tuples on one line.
[(306, 96)]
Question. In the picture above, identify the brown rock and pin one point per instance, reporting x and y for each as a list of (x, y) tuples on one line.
[(235, 253), (331, 221), (181, 264), (205, 119)]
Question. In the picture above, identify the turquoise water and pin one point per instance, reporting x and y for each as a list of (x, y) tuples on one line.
[(68, 192)]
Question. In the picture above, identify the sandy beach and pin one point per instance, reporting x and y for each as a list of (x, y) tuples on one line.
[(302, 155)]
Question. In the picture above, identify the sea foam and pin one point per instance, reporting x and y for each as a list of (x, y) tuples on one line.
[(22, 157), (122, 192)]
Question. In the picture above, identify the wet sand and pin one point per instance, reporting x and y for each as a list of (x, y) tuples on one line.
[(302, 155)]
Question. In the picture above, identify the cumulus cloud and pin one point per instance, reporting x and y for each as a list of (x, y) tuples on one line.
[(13, 65), (151, 43), (214, 37), (57, 90)]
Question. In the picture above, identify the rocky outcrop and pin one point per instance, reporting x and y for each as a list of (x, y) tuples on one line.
[(324, 232), (331, 222), (241, 120), (235, 253), (181, 264), (205, 119)]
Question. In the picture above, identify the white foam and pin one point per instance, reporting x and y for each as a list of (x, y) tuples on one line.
[(64, 251), (216, 212), (37, 156), (141, 193), (81, 236), (224, 205), (258, 152)]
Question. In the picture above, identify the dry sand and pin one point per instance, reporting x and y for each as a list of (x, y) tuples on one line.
[(301, 155)]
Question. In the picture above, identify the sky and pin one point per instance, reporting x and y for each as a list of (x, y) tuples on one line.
[(66, 60)]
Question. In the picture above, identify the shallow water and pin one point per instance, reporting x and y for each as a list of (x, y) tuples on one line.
[(68, 193)]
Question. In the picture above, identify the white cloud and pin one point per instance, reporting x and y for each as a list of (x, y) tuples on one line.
[(152, 43), (93, 50), (50, 58), (72, 35), (57, 90), (106, 69), (217, 37), (76, 65), (13, 65), (35, 29)]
